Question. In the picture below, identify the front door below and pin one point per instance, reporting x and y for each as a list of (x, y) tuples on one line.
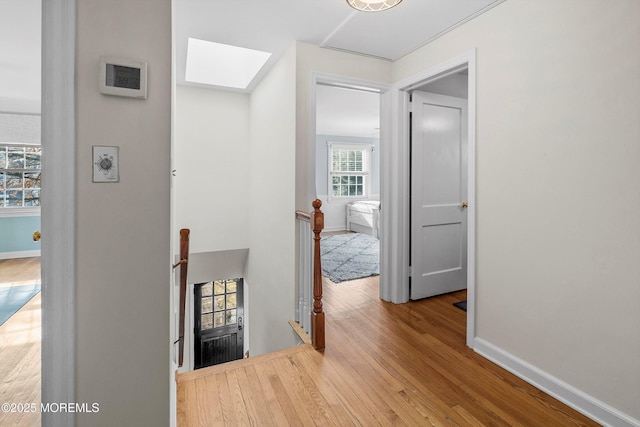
[(218, 322)]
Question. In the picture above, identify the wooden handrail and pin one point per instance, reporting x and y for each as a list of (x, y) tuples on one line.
[(183, 263), (317, 317)]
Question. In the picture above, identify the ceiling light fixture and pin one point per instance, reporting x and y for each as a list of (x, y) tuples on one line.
[(373, 5)]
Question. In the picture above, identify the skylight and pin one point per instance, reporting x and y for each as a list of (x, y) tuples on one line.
[(221, 64)]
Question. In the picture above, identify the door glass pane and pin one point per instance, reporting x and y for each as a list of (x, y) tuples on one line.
[(218, 287), (231, 317), (207, 305), (218, 319), (231, 301), (207, 321), (207, 289), (232, 286), (219, 302)]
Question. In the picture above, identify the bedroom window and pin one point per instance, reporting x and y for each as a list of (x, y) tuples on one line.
[(349, 170), (20, 175)]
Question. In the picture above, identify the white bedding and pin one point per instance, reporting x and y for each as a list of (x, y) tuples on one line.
[(365, 206), (364, 217)]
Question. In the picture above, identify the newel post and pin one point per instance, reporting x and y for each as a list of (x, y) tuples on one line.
[(317, 318)]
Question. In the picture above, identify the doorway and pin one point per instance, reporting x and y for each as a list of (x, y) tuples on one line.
[(439, 155), (20, 179), (397, 184), (219, 322), (346, 160)]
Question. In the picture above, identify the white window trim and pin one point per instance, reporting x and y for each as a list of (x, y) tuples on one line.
[(368, 148), (18, 212)]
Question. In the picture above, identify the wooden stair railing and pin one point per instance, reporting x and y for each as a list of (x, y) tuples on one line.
[(310, 316), (183, 263), (317, 318)]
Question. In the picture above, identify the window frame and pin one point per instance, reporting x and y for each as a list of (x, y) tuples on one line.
[(21, 211), (366, 149)]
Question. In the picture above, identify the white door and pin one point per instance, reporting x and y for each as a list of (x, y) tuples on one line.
[(438, 194)]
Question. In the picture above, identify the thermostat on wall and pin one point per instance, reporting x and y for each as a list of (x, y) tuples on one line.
[(123, 77)]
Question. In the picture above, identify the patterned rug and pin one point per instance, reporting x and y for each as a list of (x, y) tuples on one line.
[(12, 298), (350, 256)]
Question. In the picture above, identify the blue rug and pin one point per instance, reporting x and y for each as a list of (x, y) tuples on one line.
[(350, 256), (12, 298)]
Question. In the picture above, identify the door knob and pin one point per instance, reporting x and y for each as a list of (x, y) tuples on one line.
[(36, 236), (465, 205)]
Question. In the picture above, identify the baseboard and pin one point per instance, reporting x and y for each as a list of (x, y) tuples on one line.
[(569, 395), (21, 254), (335, 228)]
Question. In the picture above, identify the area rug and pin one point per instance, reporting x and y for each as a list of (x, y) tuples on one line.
[(350, 256), (462, 305), (12, 298)]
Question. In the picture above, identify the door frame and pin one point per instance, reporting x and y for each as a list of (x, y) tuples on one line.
[(396, 183), (384, 89), (58, 220)]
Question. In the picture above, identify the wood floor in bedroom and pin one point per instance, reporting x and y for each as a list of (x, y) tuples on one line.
[(20, 338)]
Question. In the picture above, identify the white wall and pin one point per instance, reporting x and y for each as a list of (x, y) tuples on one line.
[(210, 189), (211, 158), (315, 59), (558, 101), (270, 267), (20, 34), (123, 248)]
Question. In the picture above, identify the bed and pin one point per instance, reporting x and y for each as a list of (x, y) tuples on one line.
[(364, 217)]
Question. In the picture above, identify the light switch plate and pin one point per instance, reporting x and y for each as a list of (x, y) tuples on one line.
[(105, 164)]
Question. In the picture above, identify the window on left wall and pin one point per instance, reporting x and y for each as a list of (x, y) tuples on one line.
[(20, 175)]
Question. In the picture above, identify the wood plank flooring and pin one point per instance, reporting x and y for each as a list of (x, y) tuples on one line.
[(384, 364), (20, 338)]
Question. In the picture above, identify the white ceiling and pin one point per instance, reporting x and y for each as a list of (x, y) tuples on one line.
[(273, 25), (267, 25), (347, 112)]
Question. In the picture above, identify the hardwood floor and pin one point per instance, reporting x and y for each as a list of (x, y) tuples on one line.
[(384, 364), (20, 339)]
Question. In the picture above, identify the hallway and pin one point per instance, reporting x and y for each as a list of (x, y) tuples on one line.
[(384, 364)]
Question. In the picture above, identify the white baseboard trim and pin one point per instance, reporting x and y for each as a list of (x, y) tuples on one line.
[(336, 228), (565, 393), (22, 254)]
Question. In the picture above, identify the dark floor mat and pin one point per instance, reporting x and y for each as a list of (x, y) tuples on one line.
[(462, 305)]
